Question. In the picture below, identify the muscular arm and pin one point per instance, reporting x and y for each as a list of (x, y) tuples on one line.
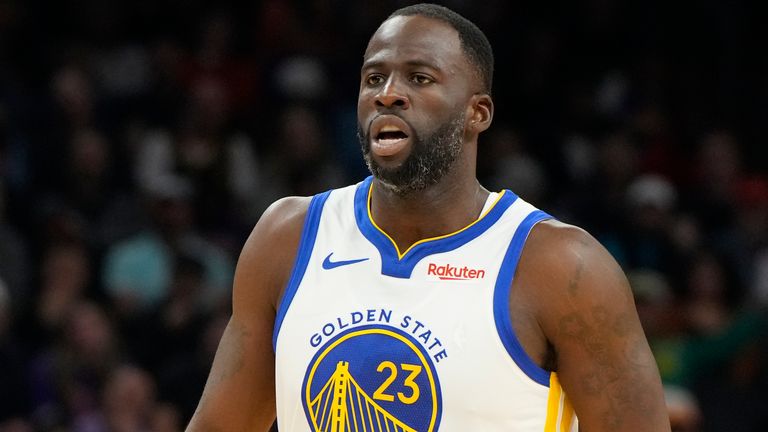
[(240, 392), (585, 312)]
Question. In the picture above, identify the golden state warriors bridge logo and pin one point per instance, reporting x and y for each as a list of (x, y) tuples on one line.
[(373, 378)]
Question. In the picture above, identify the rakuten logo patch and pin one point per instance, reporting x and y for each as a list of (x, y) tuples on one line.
[(449, 272)]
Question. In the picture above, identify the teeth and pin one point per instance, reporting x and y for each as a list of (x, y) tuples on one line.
[(390, 128)]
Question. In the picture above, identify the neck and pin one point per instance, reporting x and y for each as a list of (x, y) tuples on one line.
[(444, 208)]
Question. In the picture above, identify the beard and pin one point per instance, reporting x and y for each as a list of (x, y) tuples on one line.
[(431, 158)]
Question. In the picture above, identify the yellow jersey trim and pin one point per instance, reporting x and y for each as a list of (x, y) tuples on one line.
[(560, 414), (400, 255)]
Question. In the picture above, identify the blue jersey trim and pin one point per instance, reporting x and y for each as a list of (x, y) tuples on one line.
[(306, 244), (391, 264), (501, 300)]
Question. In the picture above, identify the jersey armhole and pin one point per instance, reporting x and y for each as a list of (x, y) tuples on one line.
[(501, 295), (306, 244)]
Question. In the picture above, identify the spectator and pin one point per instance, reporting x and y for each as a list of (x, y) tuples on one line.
[(68, 378), (65, 280), (219, 162), (138, 271), (127, 403)]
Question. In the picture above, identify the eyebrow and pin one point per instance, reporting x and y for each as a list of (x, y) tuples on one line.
[(412, 63)]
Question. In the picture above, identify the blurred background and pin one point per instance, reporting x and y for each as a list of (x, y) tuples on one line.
[(140, 142)]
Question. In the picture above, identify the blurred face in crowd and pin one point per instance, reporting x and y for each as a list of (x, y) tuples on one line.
[(416, 83), (89, 331)]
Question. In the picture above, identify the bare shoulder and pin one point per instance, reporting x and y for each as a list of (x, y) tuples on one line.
[(282, 217), (585, 309), (268, 254), (577, 283), (562, 255)]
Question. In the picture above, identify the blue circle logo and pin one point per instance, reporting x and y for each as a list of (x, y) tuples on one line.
[(372, 378)]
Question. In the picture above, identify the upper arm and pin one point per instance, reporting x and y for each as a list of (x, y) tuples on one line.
[(587, 314), (239, 394)]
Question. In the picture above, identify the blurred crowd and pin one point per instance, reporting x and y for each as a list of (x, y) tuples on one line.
[(140, 142)]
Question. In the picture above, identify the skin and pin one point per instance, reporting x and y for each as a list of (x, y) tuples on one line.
[(414, 67), (571, 305), (240, 392)]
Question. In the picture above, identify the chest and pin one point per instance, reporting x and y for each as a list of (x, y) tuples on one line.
[(415, 341)]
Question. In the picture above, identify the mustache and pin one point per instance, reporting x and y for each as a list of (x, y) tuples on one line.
[(382, 112)]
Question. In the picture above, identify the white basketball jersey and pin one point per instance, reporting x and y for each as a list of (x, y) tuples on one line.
[(369, 338)]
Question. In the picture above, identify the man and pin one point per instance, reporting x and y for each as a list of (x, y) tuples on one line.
[(417, 300)]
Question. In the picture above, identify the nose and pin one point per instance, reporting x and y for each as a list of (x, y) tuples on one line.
[(392, 95)]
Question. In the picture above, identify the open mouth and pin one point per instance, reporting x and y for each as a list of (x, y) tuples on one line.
[(390, 135)]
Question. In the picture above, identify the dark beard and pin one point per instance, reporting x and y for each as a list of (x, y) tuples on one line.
[(430, 159)]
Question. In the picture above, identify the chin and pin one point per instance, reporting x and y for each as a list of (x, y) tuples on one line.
[(389, 163)]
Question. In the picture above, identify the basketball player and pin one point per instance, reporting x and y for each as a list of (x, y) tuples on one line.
[(417, 300)]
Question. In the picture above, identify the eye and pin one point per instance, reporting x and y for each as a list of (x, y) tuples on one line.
[(422, 79), (374, 79)]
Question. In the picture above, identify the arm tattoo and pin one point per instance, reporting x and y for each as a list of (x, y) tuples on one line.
[(573, 284), (617, 383)]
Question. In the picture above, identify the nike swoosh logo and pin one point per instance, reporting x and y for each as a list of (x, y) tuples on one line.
[(328, 264)]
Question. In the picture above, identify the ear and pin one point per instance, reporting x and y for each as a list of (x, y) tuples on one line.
[(480, 112)]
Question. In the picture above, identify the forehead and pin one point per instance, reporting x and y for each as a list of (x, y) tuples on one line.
[(416, 39)]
